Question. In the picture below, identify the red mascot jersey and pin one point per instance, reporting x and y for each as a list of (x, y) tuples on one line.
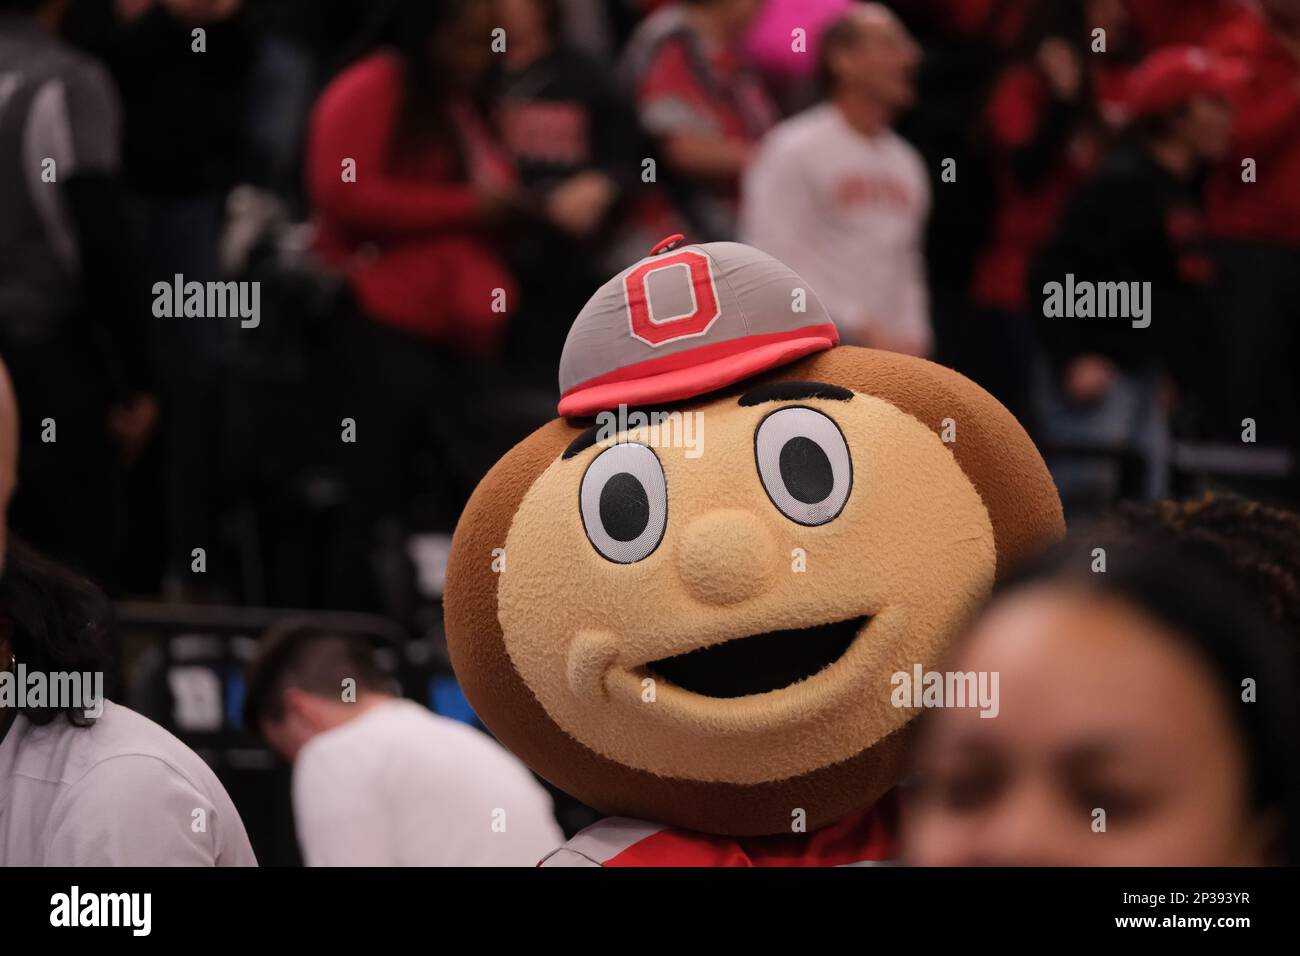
[(863, 839)]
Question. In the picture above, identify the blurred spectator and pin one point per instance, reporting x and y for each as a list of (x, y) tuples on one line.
[(381, 781), (286, 74), (1125, 733), (1048, 117), (704, 107), (72, 304), (786, 60), (1160, 23), (408, 184), (997, 23), (965, 44), (182, 145), (183, 138), (1138, 219), (841, 198), (81, 788), (1257, 215), (405, 179), (574, 142), (597, 27)]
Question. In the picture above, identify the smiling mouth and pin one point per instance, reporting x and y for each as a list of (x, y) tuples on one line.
[(759, 663)]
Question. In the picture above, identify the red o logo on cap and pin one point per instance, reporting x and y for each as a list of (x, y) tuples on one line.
[(698, 279)]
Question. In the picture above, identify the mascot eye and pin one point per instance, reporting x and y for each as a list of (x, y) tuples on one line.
[(804, 464), (624, 501)]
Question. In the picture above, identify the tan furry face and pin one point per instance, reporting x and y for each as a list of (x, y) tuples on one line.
[(553, 641), (910, 551)]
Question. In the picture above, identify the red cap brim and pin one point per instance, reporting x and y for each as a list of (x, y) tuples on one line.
[(696, 379)]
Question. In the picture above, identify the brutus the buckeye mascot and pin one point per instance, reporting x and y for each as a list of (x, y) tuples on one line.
[(689, 618)]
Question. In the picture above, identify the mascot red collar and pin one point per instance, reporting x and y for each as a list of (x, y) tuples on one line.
[(690, 618)]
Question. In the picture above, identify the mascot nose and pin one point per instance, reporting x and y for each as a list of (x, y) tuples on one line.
[(726, 557)]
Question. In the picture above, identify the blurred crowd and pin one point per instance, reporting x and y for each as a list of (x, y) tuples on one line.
[(427, 193)]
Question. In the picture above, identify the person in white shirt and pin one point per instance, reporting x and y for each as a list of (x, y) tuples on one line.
[(841, 198), (382, 781), (119, 791), (85, 782)]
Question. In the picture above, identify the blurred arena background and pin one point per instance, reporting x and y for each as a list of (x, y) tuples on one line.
[(200, 475)]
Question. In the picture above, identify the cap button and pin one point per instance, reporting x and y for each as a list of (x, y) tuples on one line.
[(667, 245)]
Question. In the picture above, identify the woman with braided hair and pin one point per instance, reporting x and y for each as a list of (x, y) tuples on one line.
[(1258, 543)]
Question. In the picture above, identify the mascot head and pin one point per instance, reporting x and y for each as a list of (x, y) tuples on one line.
[(692, 612)]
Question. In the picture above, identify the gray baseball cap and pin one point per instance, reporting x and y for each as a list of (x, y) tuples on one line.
[(685, 321)]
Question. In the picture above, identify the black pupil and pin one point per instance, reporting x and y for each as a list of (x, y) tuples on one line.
[(624, 507), (805, 469)]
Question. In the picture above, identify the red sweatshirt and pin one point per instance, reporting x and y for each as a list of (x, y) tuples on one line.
[(997, 22), (859, 839), (408, 233), (1166, 22), (1266, 128), (1020, 104)]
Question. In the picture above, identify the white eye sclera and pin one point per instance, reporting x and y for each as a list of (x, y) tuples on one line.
[(804, 464), (624, 502)]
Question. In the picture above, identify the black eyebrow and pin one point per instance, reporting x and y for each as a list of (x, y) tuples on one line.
[(581, 443), (592, 435), (790, 391), (771, 392)]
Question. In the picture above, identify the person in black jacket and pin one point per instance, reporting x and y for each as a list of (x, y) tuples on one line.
[(1138, 221), (183, 69), (73, 303), (574, 141)]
